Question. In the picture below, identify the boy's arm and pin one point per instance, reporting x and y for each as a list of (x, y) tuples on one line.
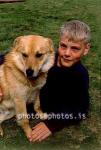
[(55, 125), (46, 128)]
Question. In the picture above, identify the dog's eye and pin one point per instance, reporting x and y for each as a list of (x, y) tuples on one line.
[(38, 55), (25, 55)]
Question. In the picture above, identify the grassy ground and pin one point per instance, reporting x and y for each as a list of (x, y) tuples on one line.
[(44, 17)]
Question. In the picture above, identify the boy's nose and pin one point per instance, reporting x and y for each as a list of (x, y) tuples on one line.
[(68, 52)]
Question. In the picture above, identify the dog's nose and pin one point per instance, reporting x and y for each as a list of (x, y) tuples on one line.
[(29, 73)]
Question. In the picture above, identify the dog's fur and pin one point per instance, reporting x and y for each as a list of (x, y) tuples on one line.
[(22, 76)]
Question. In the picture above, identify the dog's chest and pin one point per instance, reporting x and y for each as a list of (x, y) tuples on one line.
[(32, 93), (34, 90)]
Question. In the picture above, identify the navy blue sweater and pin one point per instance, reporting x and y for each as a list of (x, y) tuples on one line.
[(65, 93)]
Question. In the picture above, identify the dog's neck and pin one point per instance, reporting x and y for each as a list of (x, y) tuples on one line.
[(17, 74)]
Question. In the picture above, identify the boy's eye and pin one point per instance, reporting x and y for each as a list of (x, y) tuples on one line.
[(38, 55), (62, 45), (75, 48), (24, 55)]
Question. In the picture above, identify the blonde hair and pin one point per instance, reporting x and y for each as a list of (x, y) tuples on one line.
[(76, 30)]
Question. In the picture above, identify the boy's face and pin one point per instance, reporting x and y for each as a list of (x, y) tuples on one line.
[(71, 52)]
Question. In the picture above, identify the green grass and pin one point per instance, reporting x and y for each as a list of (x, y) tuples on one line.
[(45, 17)]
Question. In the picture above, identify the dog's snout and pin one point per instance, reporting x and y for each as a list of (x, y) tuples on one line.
[(29, 73)]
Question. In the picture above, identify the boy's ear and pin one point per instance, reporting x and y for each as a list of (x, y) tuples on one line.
[(87, 47)]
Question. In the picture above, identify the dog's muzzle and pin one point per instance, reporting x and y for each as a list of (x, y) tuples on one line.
[(31, 74)]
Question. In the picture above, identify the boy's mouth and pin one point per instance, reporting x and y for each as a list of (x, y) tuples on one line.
[(66, 60)]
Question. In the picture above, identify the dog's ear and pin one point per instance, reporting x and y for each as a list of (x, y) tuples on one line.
[(50, 45), (17, 43), (50, 57)]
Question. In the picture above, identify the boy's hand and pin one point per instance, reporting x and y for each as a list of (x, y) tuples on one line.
[(39, 132), (1, 94)]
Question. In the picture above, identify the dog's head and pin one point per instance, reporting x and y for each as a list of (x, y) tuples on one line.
[(33, 54)]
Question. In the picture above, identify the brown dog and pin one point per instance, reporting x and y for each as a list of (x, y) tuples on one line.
[(29, 60)]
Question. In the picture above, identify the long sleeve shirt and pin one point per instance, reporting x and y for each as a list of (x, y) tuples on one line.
[(65, 94)]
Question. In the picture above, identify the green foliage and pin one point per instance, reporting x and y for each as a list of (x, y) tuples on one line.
[(45, 17)]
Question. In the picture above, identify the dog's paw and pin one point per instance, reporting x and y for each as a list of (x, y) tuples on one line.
[(43, 116), (28, 133), (1, 132)]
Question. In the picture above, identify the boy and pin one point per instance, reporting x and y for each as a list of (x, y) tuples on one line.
[(65, 95)]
